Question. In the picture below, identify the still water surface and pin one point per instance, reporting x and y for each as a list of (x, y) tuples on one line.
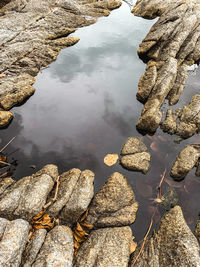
[(85, 107)]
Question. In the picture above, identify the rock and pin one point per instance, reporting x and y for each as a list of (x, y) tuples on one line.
[(133, 145), (189, 120), (26, 198), (114, 204), (57, 250), (197, 231), (173, 245), (33, 247), (3, 224), (75, 193), (105, 247), (197, 173), (5, 183), (134, 155), (32, 35), (168, 51), (137, 162), (5, 118), (185, 161), (13, 242)]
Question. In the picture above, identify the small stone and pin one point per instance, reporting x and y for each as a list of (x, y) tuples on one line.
[(57, 250), (137, 162), (105, 247), (133, 145), (5, 118), (114, 204)]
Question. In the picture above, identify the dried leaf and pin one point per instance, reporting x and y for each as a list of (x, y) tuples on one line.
[(87, 225), (78, 238), (111, 159), (39, 216), (3, 158), (43, 221), (80, 233), (84, 216), (2, 75), (133, 246), (78, 227), (76, 245)]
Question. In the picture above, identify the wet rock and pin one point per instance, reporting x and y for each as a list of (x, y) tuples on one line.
[(13, 242), (5, 118), (168, 51), (197, 231), (105, 247), (32, 33), (26, 198), (76, 190), (188, 122), (114, 204), (173, 245), (57, 250), (33, 247), (134, 155), (185, 161)]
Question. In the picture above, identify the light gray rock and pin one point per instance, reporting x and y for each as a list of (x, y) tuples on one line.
[(57, 249), (26, 198), (5, 183), (173, 245), (133, 145), (33, 247), (3, 223), (114, 204), (105, 247), (137, 162), (168, 51), (75, 193), (13, 243), (134, 156), (185, 161)]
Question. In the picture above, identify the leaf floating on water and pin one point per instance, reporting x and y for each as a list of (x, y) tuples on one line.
[(133, 246), (43, 221), (111, 159)]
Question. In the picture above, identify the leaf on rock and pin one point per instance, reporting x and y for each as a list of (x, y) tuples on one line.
[(84, 216), (43, 221), (133, 246), (2, 75), (3, 158), (87, 225), (111, 159)]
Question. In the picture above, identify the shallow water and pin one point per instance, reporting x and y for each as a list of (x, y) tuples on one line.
[(85, 107)]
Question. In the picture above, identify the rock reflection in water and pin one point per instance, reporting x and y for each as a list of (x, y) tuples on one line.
[(85, 107)]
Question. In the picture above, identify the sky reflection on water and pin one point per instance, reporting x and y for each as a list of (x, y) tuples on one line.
[(85, 107)]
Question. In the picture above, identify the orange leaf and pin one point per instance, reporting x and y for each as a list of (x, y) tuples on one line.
[(111, 159), (133, 246), (87, 225), (84, 216), (2, 75)]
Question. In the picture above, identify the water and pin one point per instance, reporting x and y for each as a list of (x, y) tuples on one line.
[(85, 107)]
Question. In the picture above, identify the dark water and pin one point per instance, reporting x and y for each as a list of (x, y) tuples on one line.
[(85, 107)]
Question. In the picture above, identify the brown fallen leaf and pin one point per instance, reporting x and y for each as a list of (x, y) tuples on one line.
[(84, 216), (2, 75), (133, 246), (78, 238), (3, 158), (43, 221), (87, 225), (111, 159)]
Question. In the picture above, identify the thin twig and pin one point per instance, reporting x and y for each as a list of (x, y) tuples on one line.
[(144, 240), (5, 163), (7, 144), (55, 195), (160, 184)]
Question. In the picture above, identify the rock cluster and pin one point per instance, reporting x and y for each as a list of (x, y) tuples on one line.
[(185, 122), (134, 156), (31, 35), (168, 51), (186, 161)]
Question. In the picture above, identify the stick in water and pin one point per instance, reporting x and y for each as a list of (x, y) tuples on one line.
[(7, 144)]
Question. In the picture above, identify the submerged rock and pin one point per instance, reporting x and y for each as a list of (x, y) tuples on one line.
[(31, 35), (185, 122), (172, 245), (114, 204), (57, 250), (105, 247), (134, 156), (186, 161), (168, 51)]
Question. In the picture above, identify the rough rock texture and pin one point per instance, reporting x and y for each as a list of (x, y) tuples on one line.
[(33, 247), (173, 245), (105, 247), (134, 156), (114, 204), (168, 51), (32, 32), (76, 190), (189, 119), (185, 161), (26, 198), (57, 249), (5, 118), (12, 242), (197, 231)]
